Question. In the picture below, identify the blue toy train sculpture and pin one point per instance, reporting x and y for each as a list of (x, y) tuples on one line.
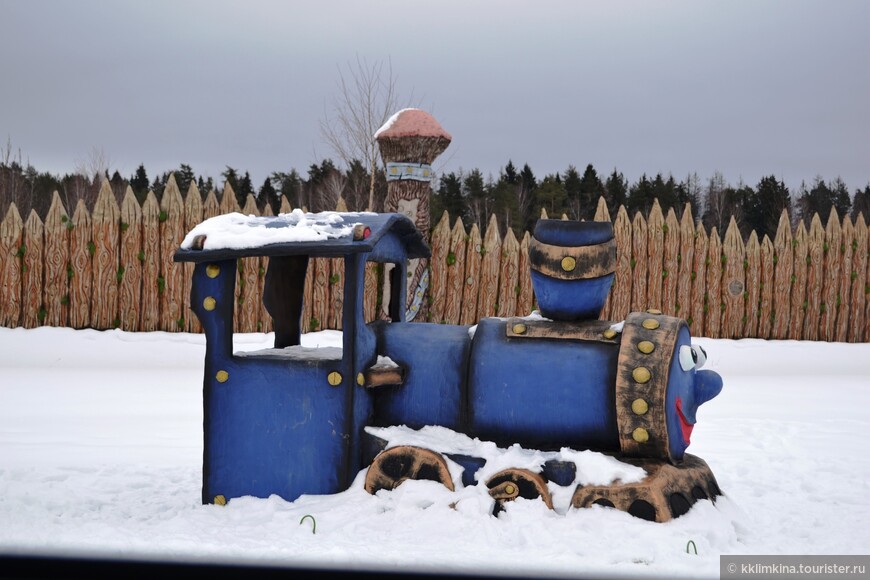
[(292, 420)]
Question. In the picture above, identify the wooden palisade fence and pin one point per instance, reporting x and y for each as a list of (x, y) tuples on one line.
[(113, 268)]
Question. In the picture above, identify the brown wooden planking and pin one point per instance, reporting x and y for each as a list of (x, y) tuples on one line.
[(713, 309), (32, 272), (699, 282), (192, 218), (172, 274), (686, 258), (753, 292), (438, 268), (508, 287), (11, 232), (733, 282), (105, 224), (638, 263), (655, 255), (526, 296), (55, 295), (620, 305), (308, 297), (129, 266), (847, 236), (320, 294), (457, 272), (336, 292), (765, 288), (265, 319), (671, 264), (782, 277), (830, 278), (815, 274), (150, 258), (799, 288), (860, 282), (80, 267), (370, 292), (486, 301)]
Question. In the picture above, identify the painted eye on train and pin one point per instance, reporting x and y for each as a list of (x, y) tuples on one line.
[(693, 356), (700, 355)]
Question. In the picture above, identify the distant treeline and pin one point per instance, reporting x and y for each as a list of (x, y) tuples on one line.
[(516, 196)]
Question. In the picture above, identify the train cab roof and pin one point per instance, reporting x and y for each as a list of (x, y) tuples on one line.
[(387, 236)]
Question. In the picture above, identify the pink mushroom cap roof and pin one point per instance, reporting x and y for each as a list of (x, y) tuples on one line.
[(412, 123)]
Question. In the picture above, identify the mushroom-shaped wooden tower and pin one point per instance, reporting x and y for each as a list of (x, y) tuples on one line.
[(409, 142)]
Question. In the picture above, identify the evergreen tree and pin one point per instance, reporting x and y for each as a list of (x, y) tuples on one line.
[(268, 196), (591, 189), (571, 182), (640, 196), (690, 192), (289, 185), (861, 204), (764, 206), (553, 196), (139, 183), (449, 197), (526, 201), (478, 198), (245, 189), (184, 177), (821, 197), (616, 192), (231, 176)]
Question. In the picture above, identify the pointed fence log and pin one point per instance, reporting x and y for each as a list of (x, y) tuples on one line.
[(247, 283), (285, 205), (55, 294), (526, 297), (830, 278), (620, 292), (129, 265), (320, 294), (370, 297), (714, 306), (149, 256), (11, 254), (456, 275), (753, 281), (105, 224), (470, 284), (308, 298), (733, 282), (765, 323), (686, 259), (210, 206), (815, 278), (32, 311), (508, 287), (639, 264), (336, 292), (697, 320), (192, 218), (228, 201), (264, 323), (671, 263), (602, 214), (80, 255), (171, 277), (438, 268), (799, 287), (655, 255), (860, 276), (486, 302), (847, 236), (783, 259)]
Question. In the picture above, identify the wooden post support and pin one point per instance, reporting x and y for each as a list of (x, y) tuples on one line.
[(782, 277), (105, 222), (55, 295), (409, 142), (686, 259), (81, 280), (753, 293), (130, 267), (32, 311)]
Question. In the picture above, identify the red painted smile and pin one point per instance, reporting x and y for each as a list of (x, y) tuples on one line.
[(685, 426)]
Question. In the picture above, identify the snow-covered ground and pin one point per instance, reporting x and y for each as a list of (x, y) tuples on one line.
[(101, 455)]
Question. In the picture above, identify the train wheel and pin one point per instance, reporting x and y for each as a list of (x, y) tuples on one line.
[(510, 484), (393, 466)]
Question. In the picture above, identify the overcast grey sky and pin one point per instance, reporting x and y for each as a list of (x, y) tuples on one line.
[(748, 88)]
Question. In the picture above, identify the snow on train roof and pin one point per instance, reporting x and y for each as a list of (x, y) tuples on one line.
[(297, 232)]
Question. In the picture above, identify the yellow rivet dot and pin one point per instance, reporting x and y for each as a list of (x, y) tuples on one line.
[(639, 407), (220, 500), (360, 379), (569, 263), (609, 333), (209, 303), (645, 346), (509, 489), (212, 270), (519, 329), (334, 378), (654, 311), (640, 435), (641, 375), (222, 376), (650, 323)]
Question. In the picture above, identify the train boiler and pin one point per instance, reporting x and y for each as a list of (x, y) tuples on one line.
[(292, 421)]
